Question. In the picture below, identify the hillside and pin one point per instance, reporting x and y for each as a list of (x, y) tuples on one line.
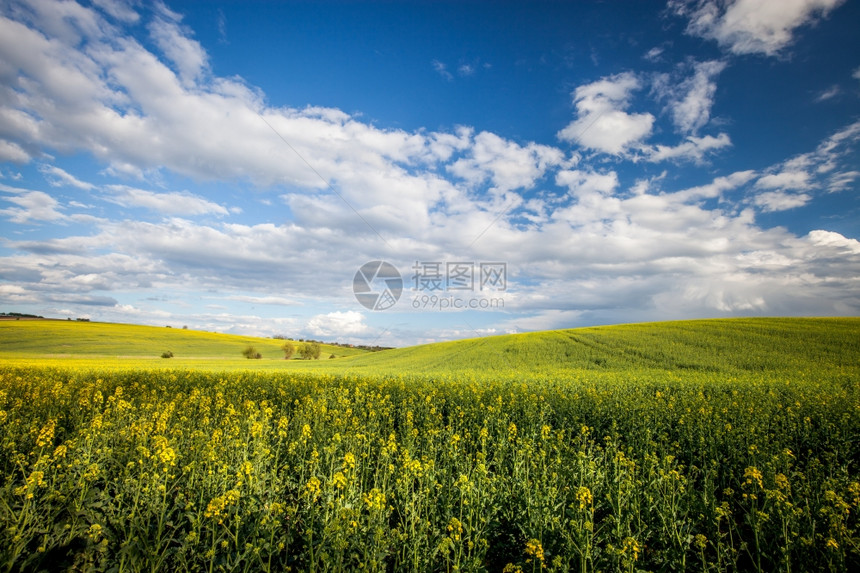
[(746, 345), (52, 339), (718, 345)]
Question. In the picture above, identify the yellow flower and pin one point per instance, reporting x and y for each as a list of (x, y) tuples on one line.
[(752, 475), (374, 499), (545, 431), (455, 529), (534, 549), (349, 461), (312, 488), (46, 434), (339, 480), (217, 507), (632, 546), (584, 497)]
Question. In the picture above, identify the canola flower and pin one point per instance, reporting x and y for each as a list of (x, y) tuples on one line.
[(193, 471)]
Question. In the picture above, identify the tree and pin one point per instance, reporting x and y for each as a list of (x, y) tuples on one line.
[(289, 349), (310, 350), (251, 352)]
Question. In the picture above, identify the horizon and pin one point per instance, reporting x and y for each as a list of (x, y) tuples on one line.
[(396, 174)]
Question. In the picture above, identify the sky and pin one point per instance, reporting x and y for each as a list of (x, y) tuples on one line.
[(396, 173)]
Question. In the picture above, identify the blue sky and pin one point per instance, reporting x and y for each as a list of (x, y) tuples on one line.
[(230, 166)]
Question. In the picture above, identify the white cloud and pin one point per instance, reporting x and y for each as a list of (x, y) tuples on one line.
[(506, 164), (58, 178), (716, 187), (173, 203), (751, 26), (602, 124), (186, 54), (466, 70), (692, 148), (856, 74), (32, 206), (12, 152), (588, 182), (655, 54), (785, 180), (120, 9), (835, 240), (829, 93), (841, 181), (273, 300), (442, 70), (346, 323), (691, 101), (771, 201)]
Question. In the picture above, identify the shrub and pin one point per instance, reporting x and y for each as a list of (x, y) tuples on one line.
[(289, 349), (167, 354), (310, 350), (251, 352)]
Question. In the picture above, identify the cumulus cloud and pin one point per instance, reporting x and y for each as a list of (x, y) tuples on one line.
[(751, 26), (506, 164), (602, 124), (347, 323)]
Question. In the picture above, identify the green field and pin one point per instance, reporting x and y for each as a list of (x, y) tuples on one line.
[(129, 345), (716, 445)]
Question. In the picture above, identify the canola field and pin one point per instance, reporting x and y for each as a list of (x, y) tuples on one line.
[(635, 448)]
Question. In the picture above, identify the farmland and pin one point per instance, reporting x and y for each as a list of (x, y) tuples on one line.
[(700, 445)]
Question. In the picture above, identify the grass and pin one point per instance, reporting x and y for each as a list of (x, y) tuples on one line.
[(128, 345), (748, 345), (751, 345)]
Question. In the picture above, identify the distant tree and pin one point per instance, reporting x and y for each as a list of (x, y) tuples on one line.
[(251, 352), (167, 354), (310, 350), (289, 349), (332, 356)]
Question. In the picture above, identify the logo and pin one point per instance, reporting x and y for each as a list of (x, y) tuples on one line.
[(377, 285)]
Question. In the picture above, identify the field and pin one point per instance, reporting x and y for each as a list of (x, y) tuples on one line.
[(721, 445), (62, 342)]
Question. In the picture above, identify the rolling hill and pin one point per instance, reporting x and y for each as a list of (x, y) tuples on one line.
[(745, 345), (59, 339)]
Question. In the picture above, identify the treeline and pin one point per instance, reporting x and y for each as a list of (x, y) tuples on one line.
[(19, 315), (373, 348)]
